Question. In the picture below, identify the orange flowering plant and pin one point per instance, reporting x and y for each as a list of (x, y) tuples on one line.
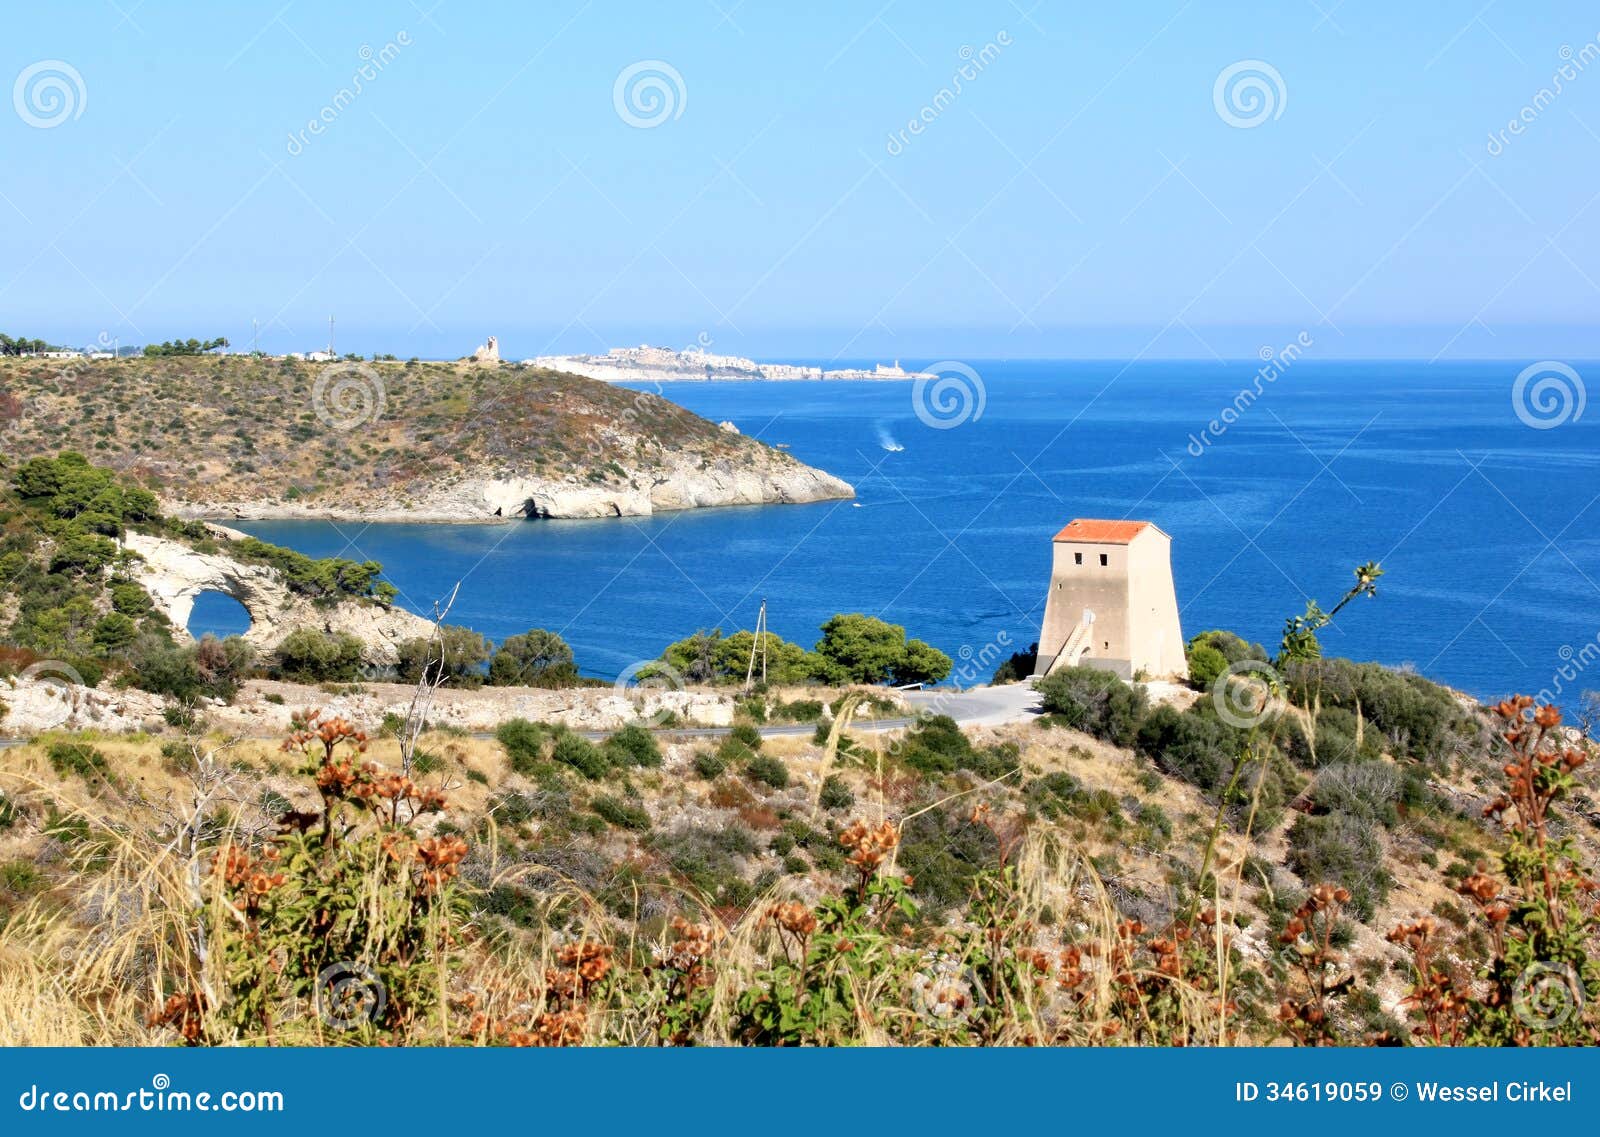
[(350, 909)]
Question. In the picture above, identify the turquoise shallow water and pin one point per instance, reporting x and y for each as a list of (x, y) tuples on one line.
[(1489, 529)]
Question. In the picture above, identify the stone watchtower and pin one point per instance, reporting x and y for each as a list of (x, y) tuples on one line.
[(1111, 603)]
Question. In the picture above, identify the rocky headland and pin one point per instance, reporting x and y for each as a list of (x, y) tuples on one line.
[(253, 437)]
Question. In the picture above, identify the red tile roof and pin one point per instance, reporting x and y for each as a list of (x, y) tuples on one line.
[(1095, 532)]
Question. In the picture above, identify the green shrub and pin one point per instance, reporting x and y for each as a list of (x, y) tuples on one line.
[(769, 770), (582, 755), (1336, 848), (1053, 795), (800, 710), (746, 734), (1155, 821), (131, 600), (1233, 648), (524, 743), (457, 656), (836, 793), (307, 655), (1206, 663), (158, 665), (327, 579), (734, 752), (620, 813), (1199, 749), (1332, 741), (709, 764), (1095, 702), (83, 554), (77, 758), (936, 745), (1366, 790), (20, 878), (711, 860), (1405, 713), (943, 851), (633, 745), (113, 632)]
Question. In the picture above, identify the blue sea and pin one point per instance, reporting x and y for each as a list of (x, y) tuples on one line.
[(1488, 528)]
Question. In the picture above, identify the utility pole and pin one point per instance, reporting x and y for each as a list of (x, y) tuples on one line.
[(255, 336), (330, 335), (758, 644)]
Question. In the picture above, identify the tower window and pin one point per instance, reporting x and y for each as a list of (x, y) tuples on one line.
[(1104, 560), (1077, 558)]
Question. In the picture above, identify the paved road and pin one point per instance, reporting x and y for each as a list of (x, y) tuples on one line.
[(981, 706)]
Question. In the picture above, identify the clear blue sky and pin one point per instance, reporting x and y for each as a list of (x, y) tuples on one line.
[(1082, 196)]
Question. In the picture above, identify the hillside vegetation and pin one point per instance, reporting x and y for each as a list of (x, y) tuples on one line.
[(220, 430), (1423, 878)]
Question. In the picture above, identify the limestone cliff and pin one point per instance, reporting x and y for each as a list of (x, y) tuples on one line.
[(685, 484)]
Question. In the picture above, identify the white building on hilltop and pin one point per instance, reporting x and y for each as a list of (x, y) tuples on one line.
[(1112, 604)]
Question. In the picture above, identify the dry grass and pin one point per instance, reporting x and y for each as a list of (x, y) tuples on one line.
[(1049, 950)]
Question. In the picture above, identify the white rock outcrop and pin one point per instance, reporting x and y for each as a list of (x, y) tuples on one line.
[(53, 700), (689, 482), (487, 352), (480, 709), (174, 574)]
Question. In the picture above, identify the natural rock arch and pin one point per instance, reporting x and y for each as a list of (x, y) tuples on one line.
[(217, 613), (174, 574)]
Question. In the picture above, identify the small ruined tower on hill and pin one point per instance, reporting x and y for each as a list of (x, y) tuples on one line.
[(1111, 603)]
